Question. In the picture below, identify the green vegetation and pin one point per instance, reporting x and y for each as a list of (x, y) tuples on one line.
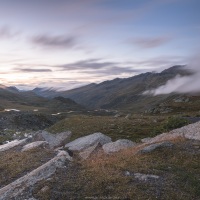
[(4, 138), (175, 122), (134, 128)]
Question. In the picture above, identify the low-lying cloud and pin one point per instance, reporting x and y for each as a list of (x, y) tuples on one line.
[(181, 84), (32, 70), (6, 32), (59, 41), (97, 66), (87, 64), (147, 43)]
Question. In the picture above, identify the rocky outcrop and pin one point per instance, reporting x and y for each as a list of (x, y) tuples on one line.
[(34, 145), (12, 144), (152, 147), (85, 142), (15, 190), (54, 140), (191, 131), (117, 145)]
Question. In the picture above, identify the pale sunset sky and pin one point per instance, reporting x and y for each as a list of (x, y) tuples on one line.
[(69, 43)]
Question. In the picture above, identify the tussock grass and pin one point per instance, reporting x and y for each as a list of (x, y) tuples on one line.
[(103, 176), (16, 164)]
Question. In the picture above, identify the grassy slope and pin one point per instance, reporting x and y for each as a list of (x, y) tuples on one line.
[(15, 164), (133, 128)]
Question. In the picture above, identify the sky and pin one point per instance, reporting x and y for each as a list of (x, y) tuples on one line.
[(69, 43)]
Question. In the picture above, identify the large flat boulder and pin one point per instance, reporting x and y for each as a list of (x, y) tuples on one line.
[(19, 188), (85, 142), (118, 145), (54, 140), (12, 144), (34, 145)]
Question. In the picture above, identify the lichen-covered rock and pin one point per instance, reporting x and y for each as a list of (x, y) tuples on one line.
[(152, 147), (16, 189), (85, 142), (12, 144), (117, 145), (34, 145)]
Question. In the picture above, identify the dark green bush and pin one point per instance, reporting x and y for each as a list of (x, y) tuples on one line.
[(175, 122)]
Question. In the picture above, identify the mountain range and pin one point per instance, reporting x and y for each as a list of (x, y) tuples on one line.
[(124, 94), (12, 98), (121, 94)]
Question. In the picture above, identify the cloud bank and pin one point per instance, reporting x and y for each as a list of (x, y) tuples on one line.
[(98, 67), (181, 84)]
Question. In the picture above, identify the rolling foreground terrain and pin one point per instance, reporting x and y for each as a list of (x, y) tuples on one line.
[(101, 141), (163, 167)]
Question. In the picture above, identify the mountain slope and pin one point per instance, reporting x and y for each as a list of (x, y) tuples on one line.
[(11, 98), (123, 94)]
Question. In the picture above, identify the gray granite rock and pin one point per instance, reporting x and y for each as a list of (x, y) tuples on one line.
[(90, 151), (54, 140), (85, 142), (34, 145), (12, 144), (117, 145), (152, 147)]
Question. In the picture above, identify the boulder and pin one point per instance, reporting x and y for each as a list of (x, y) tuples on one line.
[(34, 145), (152, 147), (16, 189), (85, 142), (54, 140), (90, 151), (117, 145), (12, 144), (191, 131)]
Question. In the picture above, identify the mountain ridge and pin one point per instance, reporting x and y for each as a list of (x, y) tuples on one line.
[(123, 93)]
